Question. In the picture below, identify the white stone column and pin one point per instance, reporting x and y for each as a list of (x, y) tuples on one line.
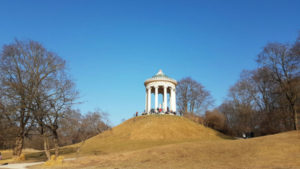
[(146, 101), (149, 100), (156, 98), (171, 99), (174, 99), (165, 99)]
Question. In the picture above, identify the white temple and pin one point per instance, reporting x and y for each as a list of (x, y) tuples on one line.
[(161, 84)]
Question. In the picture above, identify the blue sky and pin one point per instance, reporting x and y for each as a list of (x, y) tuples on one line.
[(112, 47)]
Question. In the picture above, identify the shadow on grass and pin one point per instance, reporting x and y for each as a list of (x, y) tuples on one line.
[(40, 156), (225, 136)]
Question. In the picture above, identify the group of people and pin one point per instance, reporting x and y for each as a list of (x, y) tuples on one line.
[(158, 111)]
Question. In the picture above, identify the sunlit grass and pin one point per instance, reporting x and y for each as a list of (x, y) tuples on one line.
[(281, 151), (148, 131), (162, 142)]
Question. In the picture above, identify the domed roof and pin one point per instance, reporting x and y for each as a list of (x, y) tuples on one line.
[(160, 76)]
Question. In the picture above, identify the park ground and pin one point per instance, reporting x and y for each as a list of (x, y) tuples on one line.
[(279, 151)]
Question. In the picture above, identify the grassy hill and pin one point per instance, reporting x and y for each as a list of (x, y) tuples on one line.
[(147, 131), (280, 151), (162, 142)]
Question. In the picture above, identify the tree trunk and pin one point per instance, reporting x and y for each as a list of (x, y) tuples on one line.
[(185, 108), (46, 147), (295, 120), (81, 145), (19, 146), (55, 141)]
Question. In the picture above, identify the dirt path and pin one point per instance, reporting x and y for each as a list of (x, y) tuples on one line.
[(20, 165), (25, 165)]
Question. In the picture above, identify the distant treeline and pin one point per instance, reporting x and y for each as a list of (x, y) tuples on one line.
[(263, 101)]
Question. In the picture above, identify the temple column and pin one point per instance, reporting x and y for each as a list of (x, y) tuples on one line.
[(165, 99), (174, 99), (146, 101), (156, 98), (149, 100), (171, 99)]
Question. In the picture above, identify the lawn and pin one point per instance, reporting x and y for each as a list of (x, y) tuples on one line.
[(281, 151)]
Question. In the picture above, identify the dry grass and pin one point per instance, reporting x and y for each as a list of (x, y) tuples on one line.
[(148, 131), (281, 151), (7, 155), (171, 142), (54, 161), (32, 155)]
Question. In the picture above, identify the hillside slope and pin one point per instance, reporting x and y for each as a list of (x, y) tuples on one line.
[(279, 151), (148, 131)]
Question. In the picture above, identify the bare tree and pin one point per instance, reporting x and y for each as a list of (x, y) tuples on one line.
[(74, 127), (77, 128), (7, 130), (242, 99), (192, 97), (270, 102), (254, 103), (215, 119), (15, 97), (60, 99), (36, 89), (284, 63), (94, 123), (70, 128), (54, 95), (296, 47), (266, 100)]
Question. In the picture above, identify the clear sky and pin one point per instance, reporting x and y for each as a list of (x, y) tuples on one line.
[(112, 47)]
